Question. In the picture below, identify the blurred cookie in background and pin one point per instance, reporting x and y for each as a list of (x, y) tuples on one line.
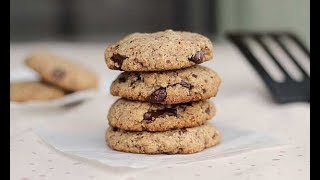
[(61, 72), (32, 90)]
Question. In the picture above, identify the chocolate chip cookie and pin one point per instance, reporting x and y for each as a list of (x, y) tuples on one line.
[(62, 72), (180, 141), (164, 50), (32, 90), (143, 116), (167, 87)]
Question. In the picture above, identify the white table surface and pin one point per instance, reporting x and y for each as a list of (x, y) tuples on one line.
[(242, 100)]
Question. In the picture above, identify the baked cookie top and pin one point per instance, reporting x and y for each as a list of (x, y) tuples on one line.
[(143, 116), (167, 87), (180, 141), (32, 90), (61, 71), (164, 50)]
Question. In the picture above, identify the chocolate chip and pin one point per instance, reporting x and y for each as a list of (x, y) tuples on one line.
[(197, 58), (150, 116), (118, 60), (139, 78), (168, 61), (158, 95), (114, 129), (186, 84), (58, 74), (122, 79), (147, 116), (204, 90), (193, 75), (207, 110)]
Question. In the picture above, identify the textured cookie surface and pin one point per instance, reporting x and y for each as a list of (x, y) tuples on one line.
[(167, 87), (180, 141), (164, 50), (143, 116), (61, 72), (31, 90)]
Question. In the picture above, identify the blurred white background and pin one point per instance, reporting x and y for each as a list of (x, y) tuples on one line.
[(101, 20)]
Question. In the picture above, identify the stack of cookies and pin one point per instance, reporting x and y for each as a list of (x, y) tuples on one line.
[(164, 106)]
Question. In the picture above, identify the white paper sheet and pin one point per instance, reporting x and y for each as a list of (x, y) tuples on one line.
[(83, 136)]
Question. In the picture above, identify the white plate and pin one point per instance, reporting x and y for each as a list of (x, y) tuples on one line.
[(25, 74)]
